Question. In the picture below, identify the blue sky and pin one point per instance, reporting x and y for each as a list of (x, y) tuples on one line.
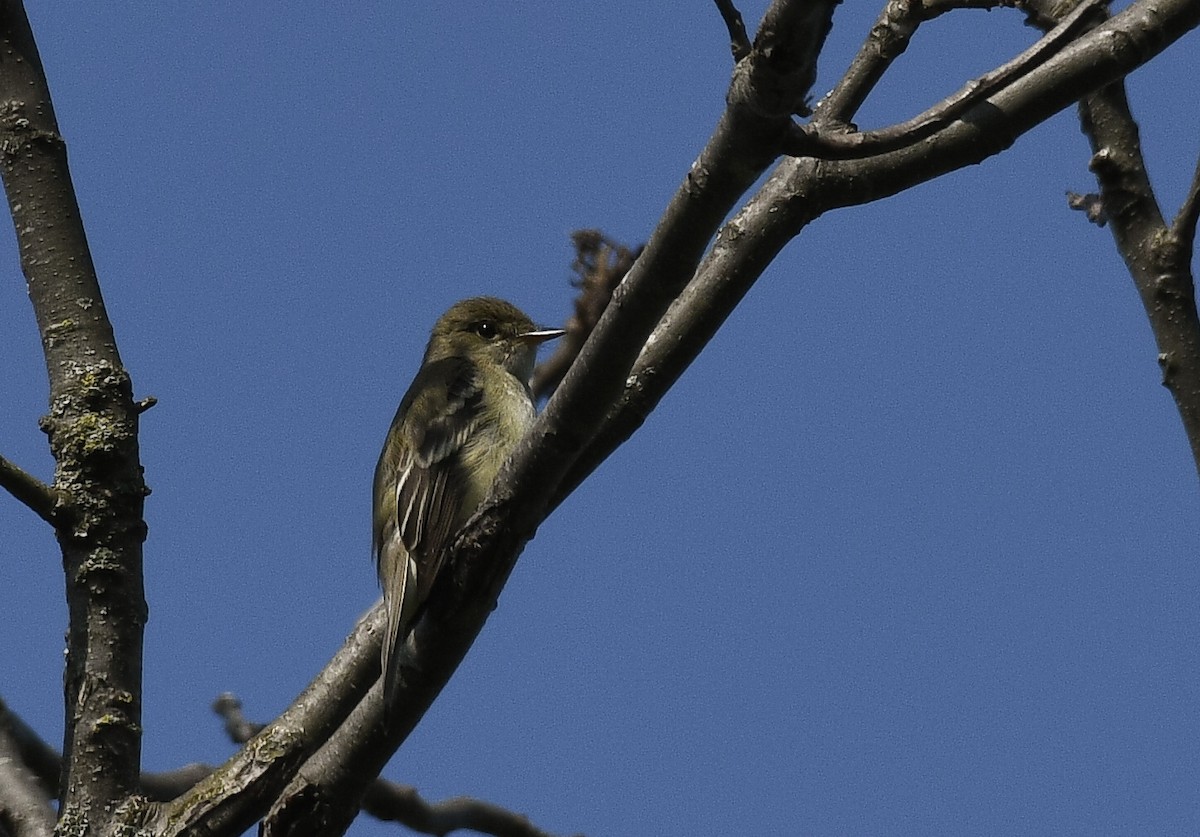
[(911, 549)]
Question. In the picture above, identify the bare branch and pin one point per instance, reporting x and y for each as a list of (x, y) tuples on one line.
[(739, 41), (384, 800), (484, 553), (31, 491), (24, 804), (45, 763), (229, 707), (1158, 257), (1106, 53), (814, 141), (317, 800), (888, 39), (1184, 227), (802, 189), (766, 89), (399, 803), (92, 425), (240, 791), (747, 244)]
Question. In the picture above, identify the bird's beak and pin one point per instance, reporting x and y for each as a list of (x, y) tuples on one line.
[(541, 335)]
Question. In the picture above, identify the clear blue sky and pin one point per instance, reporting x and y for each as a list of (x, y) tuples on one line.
[(910, 550)]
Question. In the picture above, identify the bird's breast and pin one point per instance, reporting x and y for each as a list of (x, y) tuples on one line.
[(494, 439)]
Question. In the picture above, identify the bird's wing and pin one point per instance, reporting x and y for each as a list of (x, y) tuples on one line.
[(419, 489), (430, 486)]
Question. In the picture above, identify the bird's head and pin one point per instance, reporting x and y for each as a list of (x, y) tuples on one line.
[(489, 331)]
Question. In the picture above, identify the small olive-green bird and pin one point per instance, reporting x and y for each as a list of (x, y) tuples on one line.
[(460, 419)]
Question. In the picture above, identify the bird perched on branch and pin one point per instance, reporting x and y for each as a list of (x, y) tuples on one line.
[(462, 416)]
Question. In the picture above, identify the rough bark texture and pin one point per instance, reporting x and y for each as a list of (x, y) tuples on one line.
[(92, 425)]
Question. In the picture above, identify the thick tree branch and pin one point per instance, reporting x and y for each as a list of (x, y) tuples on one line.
[(814, 141), (766, 89), (92, 427), (484, 553), (239, 792), (1158, 256), (1158, 260), (802, 189), (384, 800)]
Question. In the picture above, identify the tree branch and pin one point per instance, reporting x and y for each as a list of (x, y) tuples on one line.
[(239, 792), (92, 425), (739, 41), (888, 39), (1184, 227), (483, 555), (1158, 256), (766, 89), (45, 763), (1158, 259), (390, 802), (24, 806), (814, 141), (802, 189), (384, 800), (31, 491)]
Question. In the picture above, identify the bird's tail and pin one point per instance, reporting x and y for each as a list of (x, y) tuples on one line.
[(399, 590), (389, 661)]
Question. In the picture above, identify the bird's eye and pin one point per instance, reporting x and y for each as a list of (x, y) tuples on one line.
[(485, 329)]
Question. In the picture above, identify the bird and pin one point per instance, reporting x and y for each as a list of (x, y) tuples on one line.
[(462, 416)]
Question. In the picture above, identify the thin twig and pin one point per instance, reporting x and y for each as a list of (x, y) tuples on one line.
[(813, 140), (393, 802), (1184, 228), (229, 707), (390, 802), (39, 497), (1090, 204), (739, 41), (888, 39)]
